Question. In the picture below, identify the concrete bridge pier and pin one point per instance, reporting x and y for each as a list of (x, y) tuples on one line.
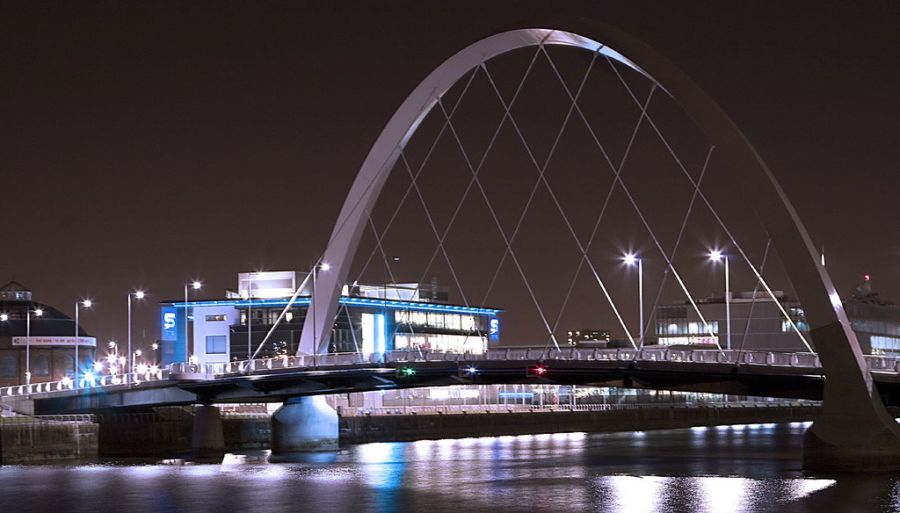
[(854, 432), (208, 439), (303, 424)]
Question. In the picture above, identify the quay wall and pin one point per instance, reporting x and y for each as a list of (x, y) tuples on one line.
[(166, 432), (384, 428), (30, 440)]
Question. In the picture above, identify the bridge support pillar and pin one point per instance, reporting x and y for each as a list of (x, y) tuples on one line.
[(854, 432), (208, 440), (304, 424)]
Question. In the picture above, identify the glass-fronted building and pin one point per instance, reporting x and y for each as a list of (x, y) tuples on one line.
[(758, 322), (370, 319)]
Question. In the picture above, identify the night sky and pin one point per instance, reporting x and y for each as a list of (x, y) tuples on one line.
[(145, 144)]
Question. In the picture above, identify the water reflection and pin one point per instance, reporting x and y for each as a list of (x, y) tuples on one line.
[(740, 468)]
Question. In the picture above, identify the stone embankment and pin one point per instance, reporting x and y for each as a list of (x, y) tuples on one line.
[(27, 439)]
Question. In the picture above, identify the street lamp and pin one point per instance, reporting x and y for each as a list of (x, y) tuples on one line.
[(137, 295), (86, 303), (195, 285), (322, 266), (719, 256), (38, 312), (4, 317), (630, 260)]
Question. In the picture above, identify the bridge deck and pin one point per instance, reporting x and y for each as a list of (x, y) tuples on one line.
[(752, 373)]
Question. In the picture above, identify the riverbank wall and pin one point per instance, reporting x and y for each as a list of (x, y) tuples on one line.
[(32, 440), (471, 423), (166, 432)]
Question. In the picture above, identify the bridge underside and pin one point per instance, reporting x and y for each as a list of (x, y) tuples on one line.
[(278, 386)]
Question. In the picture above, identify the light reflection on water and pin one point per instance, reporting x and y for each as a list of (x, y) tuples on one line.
[(727, 469)]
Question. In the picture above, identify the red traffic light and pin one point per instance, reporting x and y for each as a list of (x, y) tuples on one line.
[(536, 371)]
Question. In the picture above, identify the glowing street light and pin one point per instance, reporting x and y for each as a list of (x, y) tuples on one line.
[(719, 256), (40, 313), (139, 294), (630, 260), (4, 317), (321, 266), (86, 303), (195, 285)]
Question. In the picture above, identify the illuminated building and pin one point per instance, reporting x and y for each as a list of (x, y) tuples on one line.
[(49, 351), (757, 322), (370, 319)]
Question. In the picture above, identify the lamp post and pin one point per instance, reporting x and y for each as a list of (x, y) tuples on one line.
[(249, 319), (127, 368), (195, 285), (630, 260), (87, 303), (322, 266), (718, 256), (38, 312)]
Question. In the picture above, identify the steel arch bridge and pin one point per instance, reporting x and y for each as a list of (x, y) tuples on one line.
[(854, 428)]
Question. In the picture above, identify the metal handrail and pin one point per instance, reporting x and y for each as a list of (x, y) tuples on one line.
[(178, 371)]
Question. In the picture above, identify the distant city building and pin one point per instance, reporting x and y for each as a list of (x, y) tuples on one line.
[(370, 319), (50, 349), (757, 322)]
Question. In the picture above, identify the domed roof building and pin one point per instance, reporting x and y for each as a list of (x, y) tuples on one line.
[(39, 338)]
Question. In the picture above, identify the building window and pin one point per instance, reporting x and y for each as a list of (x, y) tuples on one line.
[(881, 344), (216, 318), (216, 344), (68, 365), (40, 365), (9, 367), (435, 319)]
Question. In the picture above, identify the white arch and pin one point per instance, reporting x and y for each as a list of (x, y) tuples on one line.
[(850, 397)]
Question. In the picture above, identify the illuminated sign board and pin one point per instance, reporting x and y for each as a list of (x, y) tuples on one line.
[(54, 341), (168, 324), (494, 329)]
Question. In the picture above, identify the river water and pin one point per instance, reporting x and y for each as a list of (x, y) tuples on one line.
[(728, 469)]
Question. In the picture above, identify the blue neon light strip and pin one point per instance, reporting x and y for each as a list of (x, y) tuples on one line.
[(349, 301)]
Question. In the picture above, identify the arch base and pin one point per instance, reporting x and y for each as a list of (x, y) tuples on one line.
[(870, 452)]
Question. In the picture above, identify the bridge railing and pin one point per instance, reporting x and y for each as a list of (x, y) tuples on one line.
[(883, 363), (645, 355), (84, 383)]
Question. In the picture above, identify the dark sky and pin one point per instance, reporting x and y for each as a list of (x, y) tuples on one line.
[(147, 143)]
